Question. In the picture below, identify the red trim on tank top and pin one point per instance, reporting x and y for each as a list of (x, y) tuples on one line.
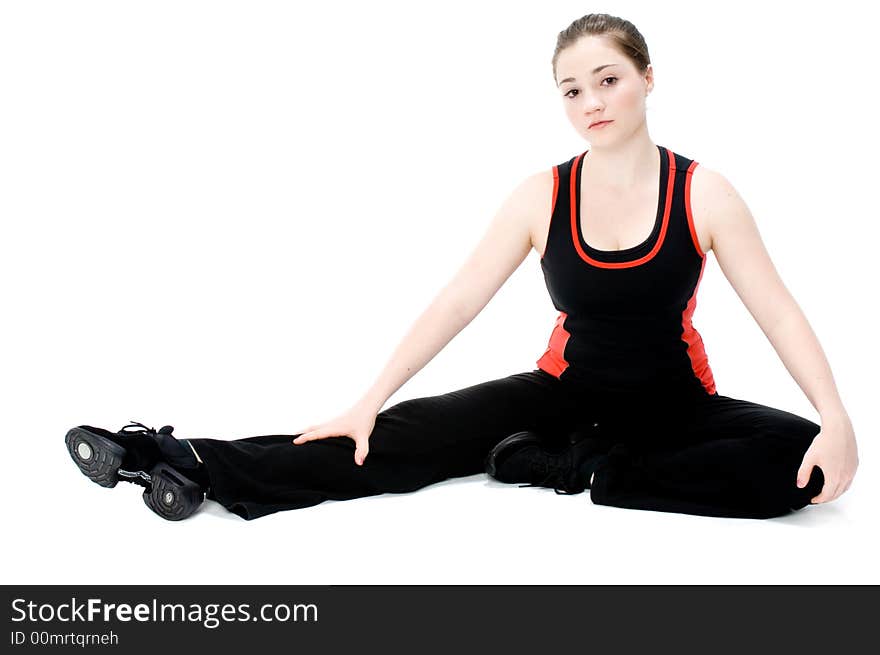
[(687, 208), (696, 351), (552, 206), (670, 183), (553, 359)]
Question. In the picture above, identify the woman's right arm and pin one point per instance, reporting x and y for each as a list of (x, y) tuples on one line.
[(503, 247)]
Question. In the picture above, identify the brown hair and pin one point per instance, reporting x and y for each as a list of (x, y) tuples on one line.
[(622, 34)]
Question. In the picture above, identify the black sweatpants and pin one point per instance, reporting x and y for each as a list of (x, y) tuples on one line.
[(709, 455)]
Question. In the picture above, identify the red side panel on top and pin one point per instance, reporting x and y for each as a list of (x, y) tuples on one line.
[(696, 351), (553, 359)]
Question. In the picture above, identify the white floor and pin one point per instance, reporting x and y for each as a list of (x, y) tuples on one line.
[(69, 530)]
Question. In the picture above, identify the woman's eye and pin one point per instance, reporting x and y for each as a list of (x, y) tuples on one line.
[(604, 80)]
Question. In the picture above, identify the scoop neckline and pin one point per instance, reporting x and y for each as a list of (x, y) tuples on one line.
[(617, 255)]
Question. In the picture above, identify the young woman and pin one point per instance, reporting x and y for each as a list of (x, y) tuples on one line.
[(622, 401)]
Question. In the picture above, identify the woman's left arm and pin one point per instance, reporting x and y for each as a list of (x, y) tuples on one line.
[(744, 260)]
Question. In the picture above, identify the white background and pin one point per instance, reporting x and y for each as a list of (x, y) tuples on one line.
[(224, 216)]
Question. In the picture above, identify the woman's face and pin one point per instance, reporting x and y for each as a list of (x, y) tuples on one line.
[(615, 93)]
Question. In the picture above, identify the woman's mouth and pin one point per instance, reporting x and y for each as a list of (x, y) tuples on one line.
[(601, 124)]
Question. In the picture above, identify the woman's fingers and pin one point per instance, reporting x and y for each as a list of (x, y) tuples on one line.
[(303, 433), (362, 448), (356, 424), (309, 435), (362, 443), (319, 433)]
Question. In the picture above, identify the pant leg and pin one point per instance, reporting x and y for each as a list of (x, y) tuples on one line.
[(714, 456), (414, 443)]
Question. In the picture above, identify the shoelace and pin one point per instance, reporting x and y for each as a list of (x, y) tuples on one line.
[(553, 470), (167, 429), (560, 490)]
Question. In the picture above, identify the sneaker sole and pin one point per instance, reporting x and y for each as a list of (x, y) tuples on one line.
[(166, 492), (97, 457), (171, 495)]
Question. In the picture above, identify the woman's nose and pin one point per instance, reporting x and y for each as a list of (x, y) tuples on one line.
[(591, 108)]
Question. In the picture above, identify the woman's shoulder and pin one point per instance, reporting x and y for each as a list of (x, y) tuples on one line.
[(539, 188), (536, 197), (536, 190), (710, 192)]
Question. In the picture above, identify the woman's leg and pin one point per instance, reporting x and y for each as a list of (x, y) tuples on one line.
[(414, 443), (716, 456)]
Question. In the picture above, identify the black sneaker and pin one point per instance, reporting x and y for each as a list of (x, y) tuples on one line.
[(157, 461), (527, 457)]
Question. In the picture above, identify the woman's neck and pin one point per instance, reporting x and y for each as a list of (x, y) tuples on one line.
[(625, 165)]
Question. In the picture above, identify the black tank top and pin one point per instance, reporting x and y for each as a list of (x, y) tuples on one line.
[(624, 322)]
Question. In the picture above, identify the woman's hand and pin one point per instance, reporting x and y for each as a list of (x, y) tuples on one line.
[(834, 451), (356, 423)]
